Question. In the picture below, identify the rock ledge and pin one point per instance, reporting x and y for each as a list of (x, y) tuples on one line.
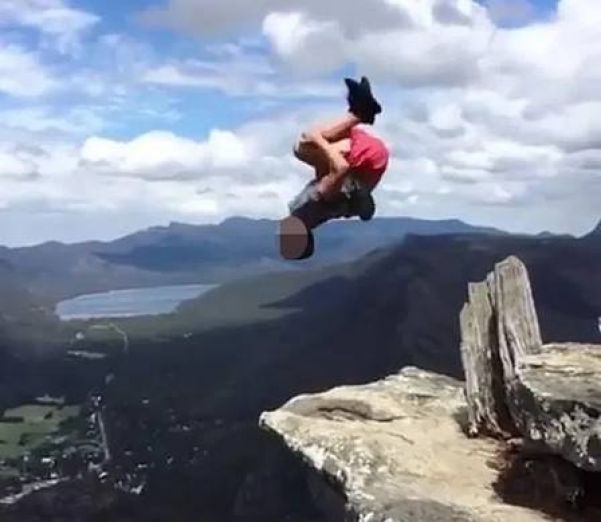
[(422, 447), (395, 451)]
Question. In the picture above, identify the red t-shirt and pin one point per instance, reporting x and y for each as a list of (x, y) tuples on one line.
[(368, 156)]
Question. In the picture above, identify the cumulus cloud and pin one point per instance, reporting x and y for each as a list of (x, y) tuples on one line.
[(207, 17), (246, 171), (17, 166), (163, 155), (237, 70), (46, 119), (304, 44), (428, 40), (491, 116), (22, 74), (59, 27), (64, 25)]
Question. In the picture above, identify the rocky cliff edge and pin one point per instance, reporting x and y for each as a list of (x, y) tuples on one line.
[(423, 447)]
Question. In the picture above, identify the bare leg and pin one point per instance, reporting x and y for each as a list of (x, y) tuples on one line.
[(308, 153), (337, 131)]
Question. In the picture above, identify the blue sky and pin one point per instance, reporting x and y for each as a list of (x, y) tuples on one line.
[(198, 109), (121, 115), (545, 6)]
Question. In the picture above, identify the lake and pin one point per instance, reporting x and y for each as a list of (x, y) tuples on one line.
[(129, 303)]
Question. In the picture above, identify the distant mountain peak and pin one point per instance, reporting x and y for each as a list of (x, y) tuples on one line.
[(233, 220), (177, 225)]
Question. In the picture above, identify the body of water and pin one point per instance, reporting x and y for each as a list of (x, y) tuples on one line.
[(129, 303)]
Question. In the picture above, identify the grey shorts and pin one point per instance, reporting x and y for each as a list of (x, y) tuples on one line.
[(313, 211)]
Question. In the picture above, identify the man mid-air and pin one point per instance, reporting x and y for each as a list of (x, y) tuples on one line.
[(348, 163)]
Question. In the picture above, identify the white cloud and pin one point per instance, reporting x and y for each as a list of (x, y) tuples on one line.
[(240, 71), (491, 124), (249, 172), (21, 73), (430, 41), (305, 44), (54, 18), (229, 82), (434, 57), (163, 155), (15, 166), (207, 17), (46, 119)]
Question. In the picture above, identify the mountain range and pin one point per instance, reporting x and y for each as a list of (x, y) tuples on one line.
[(183, 254), (183, 403), (342, 324)]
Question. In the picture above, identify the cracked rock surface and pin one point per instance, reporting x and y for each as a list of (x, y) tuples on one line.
[(550, 394), (559, 396), (396, 451)]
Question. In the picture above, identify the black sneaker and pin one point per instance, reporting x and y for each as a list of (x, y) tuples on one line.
[(361, 100), (363, 205), (366, 88)]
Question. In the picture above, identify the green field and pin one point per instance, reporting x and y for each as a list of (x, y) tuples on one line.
[(40, 424)]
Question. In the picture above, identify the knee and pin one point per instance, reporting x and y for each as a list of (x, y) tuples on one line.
[(301, 148)]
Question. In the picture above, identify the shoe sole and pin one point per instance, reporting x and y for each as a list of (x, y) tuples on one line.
[(367, 214)]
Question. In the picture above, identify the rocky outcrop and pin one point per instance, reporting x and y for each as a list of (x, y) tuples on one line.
[(499, 326), (559, 399), (550, 395), (395, 451), (421, 447)]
